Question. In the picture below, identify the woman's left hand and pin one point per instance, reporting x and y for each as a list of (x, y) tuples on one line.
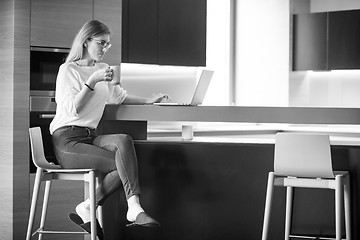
[(160, 97)]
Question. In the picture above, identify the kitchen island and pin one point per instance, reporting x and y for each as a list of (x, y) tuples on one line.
[(214, 186)]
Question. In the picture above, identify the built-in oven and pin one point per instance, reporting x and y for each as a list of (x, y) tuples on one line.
[(44, 66)]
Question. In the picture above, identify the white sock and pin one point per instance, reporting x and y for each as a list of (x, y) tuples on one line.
[(133, 211), (134, 208), (87, 203), (83, 210)]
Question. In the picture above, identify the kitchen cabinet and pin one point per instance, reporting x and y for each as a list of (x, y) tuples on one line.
[(55, 23), (326, 41), (166, 32), (309, 41), (109, 12), (139, 34), (182, 32), (344, 36)]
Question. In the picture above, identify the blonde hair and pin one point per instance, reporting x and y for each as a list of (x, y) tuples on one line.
[(90, 29)]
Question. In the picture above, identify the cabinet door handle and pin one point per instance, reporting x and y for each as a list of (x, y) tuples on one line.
[(46, 115)]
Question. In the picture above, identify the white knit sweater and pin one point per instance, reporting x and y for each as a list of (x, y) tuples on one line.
[(70, 80)]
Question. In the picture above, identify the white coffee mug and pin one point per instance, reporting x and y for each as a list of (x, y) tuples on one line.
[(187, 132), (116, 74)]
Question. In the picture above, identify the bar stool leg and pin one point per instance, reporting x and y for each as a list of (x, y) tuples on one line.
[(99, 208), (92, 204), (34, 199), (288, 217), (45, 206), (100, 215), (347, 208), (268, 203), (338, 205)]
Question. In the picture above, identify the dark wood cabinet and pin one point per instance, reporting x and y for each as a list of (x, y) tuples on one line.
[(140, 31), (182, 32), (167, 32), (310, 48), (344, 40), (55, 23), (107, 11), (326, 41)]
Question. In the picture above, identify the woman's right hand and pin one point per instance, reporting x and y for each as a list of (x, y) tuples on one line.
[(100, 76)]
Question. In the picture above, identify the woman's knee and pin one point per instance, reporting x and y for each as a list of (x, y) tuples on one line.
[(123, 140)]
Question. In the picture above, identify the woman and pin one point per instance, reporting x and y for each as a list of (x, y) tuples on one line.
[(83, 88)]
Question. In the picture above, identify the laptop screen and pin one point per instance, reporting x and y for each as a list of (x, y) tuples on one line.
[(145, 80)]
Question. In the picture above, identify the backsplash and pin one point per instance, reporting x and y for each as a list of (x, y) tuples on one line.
[(340, 88)]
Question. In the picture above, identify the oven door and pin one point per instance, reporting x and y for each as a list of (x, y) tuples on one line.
[(44, 66)]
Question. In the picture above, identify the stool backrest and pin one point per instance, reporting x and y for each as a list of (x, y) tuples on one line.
[(37, 150), (303, 155)]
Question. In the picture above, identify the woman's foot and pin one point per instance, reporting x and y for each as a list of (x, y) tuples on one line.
[(144, 220), (136, 214), (134, 210), (83, 210), (87, 225)]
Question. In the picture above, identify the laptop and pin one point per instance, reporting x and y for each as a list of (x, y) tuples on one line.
[(199, 94), (146, 80)]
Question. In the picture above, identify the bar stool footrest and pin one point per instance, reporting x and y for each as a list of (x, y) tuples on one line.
[(57, 232), (312, 237)]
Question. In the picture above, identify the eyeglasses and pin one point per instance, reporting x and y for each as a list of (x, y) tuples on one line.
[(104, 45)]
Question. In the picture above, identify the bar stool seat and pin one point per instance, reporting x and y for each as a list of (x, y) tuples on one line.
[(304, 160), (48, 172)]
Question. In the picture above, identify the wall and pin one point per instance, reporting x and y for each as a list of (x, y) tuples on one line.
[(262, 58), (217, 51), (14, 115), (262, 52), (327, 89)]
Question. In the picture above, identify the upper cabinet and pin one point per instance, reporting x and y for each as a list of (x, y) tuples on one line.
[(140, 31), (109, 12), (326, 41), (55, 23), (182, 32), (309, 41), (344, 40), (168, 32)]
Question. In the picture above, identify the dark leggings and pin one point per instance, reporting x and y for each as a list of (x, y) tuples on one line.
[(114, 155)]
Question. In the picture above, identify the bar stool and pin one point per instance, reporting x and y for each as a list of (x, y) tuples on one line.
[(48, 172), (304, 160)]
